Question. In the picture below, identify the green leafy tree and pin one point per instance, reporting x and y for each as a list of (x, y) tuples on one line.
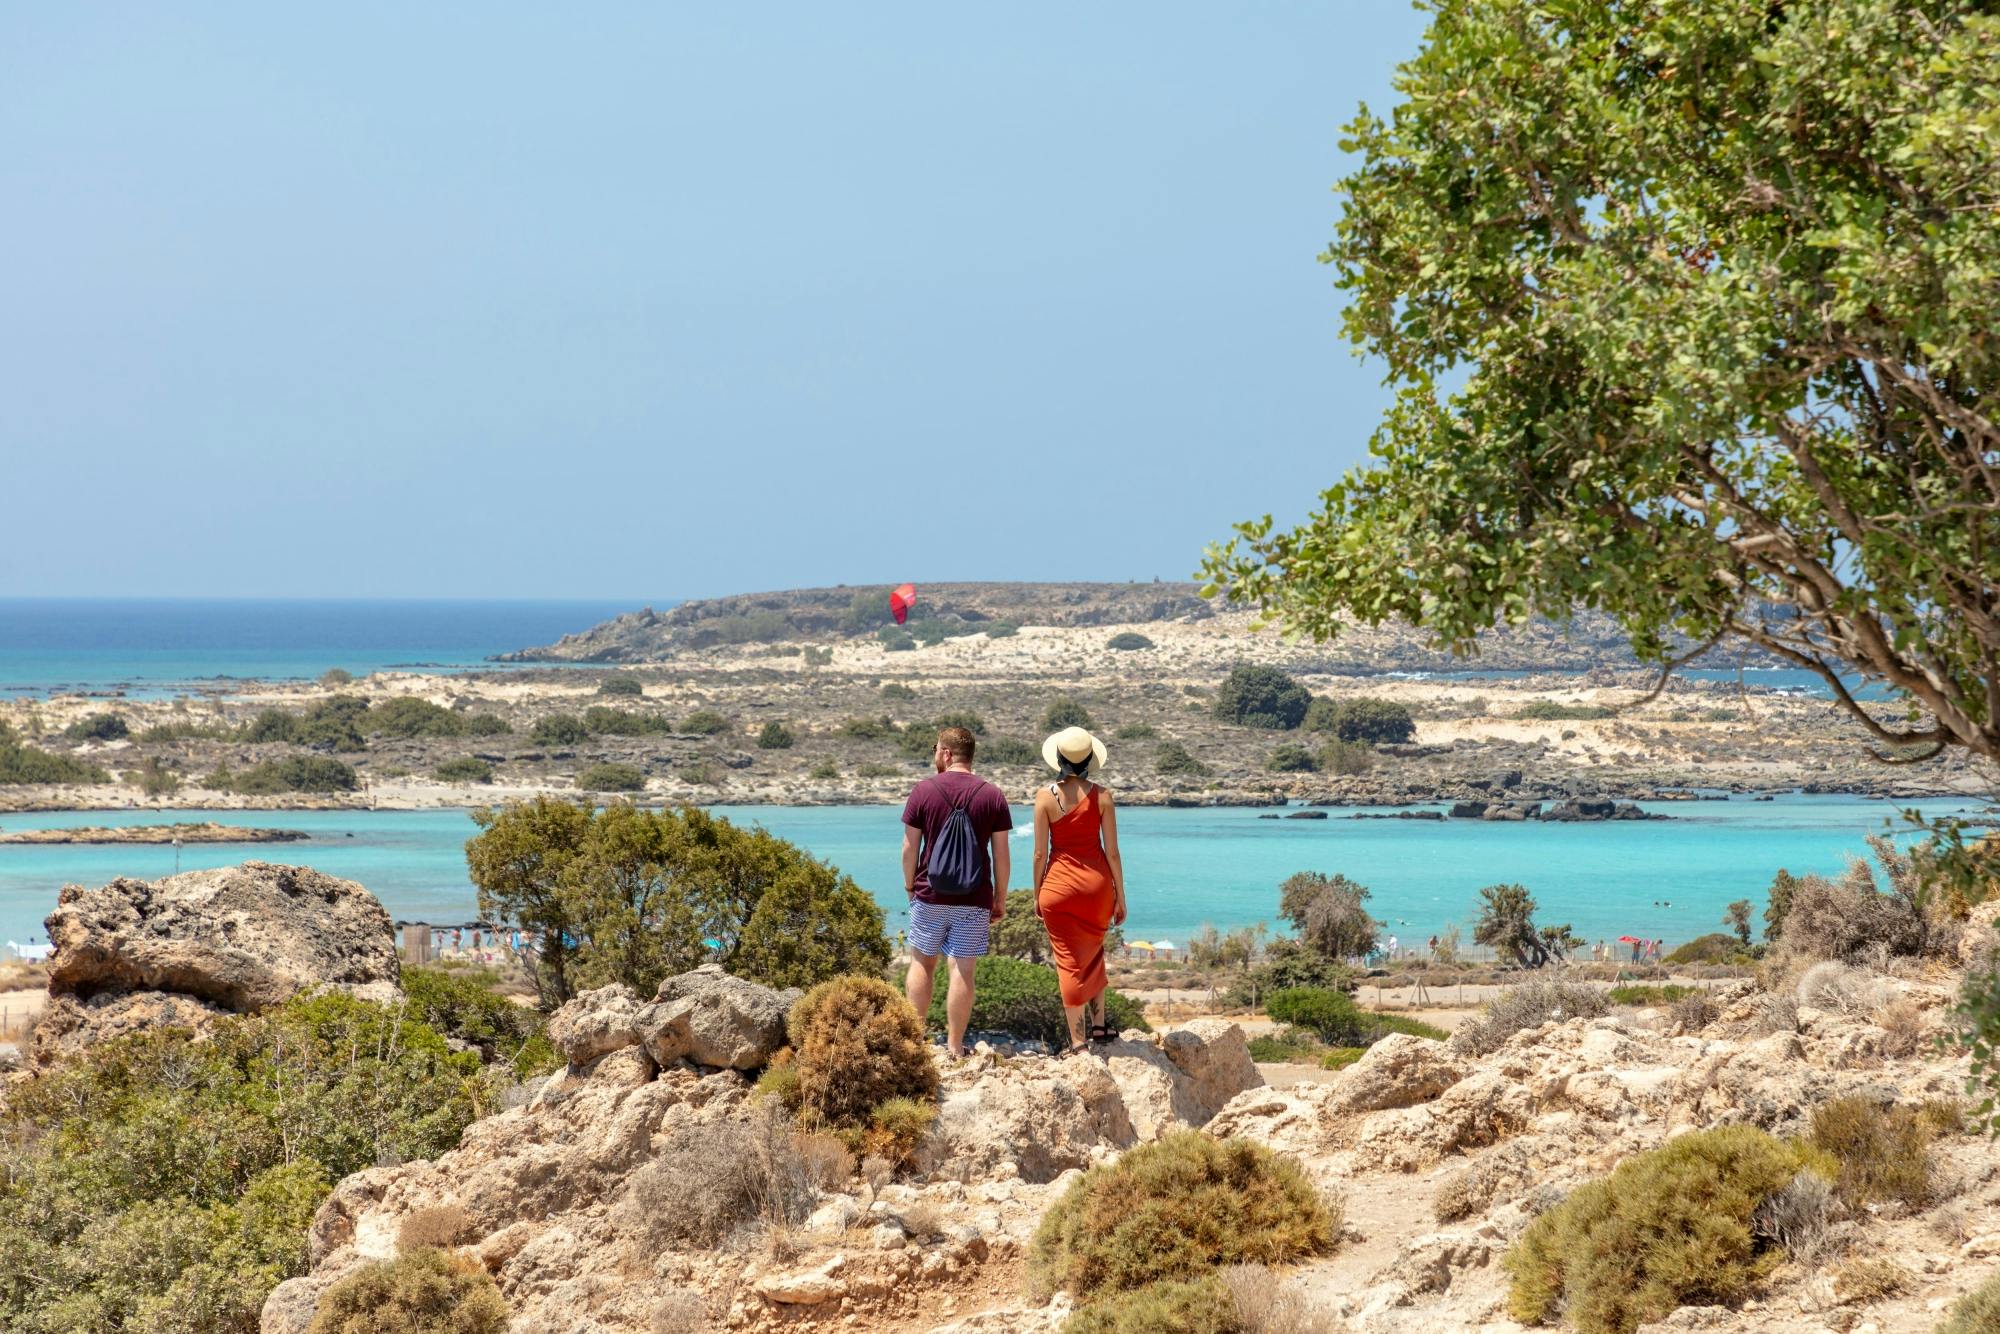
[(408, 716), (776, 736), (1064, 712), (1736, 916), (560, 729), (1778, 902), (621, 685), (1019, 934), (1252, 696), (519, 862), (1374, 722), (1507, 923), (1329, 913), (1688, 310)]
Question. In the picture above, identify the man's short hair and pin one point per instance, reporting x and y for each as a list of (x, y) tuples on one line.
[(959, 742)]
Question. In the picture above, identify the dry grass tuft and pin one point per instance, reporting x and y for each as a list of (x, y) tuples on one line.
[(1870, 1280), (1798, 1216), (679, 1313), (440, 1227), (713, 1181), (1902, 1028), (1265, 1306), (1883, 1152), (1529, 1005), (424, 1290)]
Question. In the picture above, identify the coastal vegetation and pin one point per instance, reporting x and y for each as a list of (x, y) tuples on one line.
[(1329, 914), (1021, 997), (1128, 641), (464, 769), (633, 896), (621, 685), (610, 777), (294, 773), (421, 1291), (98, 727), (23, 763), (1253, 695), (860, 1065)]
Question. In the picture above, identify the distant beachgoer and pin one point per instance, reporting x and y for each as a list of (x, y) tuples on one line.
[(1393, 946), (1433, 947), (1079, 879), (955, 867)]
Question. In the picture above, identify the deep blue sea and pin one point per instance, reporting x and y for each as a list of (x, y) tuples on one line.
[(155, 646), (1666, 879)]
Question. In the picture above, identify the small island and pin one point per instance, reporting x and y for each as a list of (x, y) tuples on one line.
[(205, 831)]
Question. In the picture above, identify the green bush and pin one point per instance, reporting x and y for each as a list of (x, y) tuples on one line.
[(484, 724), (157, 1183), (1372, 722), (334, 723), (824, 771), (621, 686), (871, 770), (420, 1292), (1001, 629), (1289, 964), (857, 1044), (1549, 711), (1128, 641), (1715, 947), (1346, 757), (1336, 1021), (1197, 1306), (463, 769), (296, 773), (407, 716), (1291, 758), (1883, 1152), (1670, 1227), (1261, 697), (704, 722), (1007, 750), (98, 727), (464, 1004), (1064, 712), (1342, 1057), (965, 718), (1635, 994), (897, 690), (336, 676), (604, 721), (1024, 1000), (775, 736), (164, 733), (1136, 732), (862, 728), (559, 729), (1174, 1209), (1173, 758), (1302, 1049), (20, 763), (634, 896), (895, 639), (1977, 1312), (610, 777)]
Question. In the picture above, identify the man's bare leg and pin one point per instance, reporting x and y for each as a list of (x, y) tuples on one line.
[(918, 982), (958, 1004)]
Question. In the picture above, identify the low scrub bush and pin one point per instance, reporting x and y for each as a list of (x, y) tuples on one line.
[(897, 690), (423, 1292), (857, 1044), (296, 773), (1287, 964), (895, 639), (1271, 1049), (618, 685), (1024, 1000), (1264, 1305), (1136, 732), (22, 763), (702, 773), (166, 733), (1173, 758), (1128, 641), (704, 722), (154, 778), (1173, 1306), (1550, 711), (711, 1181), (464, 769), (1365, 721), (559, 729), (334, 723), (1346, 757), (1001, 629), (464, 1003), (1253, 696), (965, 718), (1883, 1152), (98, 727), (1667, 1228), (776, 736), (336, 676), (1854, 919), (1633, 993), (1695, 1011), (1174, 1209), (1870, 1279), (1007, 750), (864, 728), (407, 716), (605, 721), (1716, 947), (1334, 1018), (1063, 711), (437, 1228), (824, 771), (1342, 1057), (1977, 1312), (873, 770), (1529, 1005), (1291, 758)]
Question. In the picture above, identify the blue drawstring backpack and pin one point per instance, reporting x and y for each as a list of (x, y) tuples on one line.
[(957, 863)]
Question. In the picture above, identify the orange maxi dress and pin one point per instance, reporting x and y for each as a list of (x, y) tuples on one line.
[(1077, 899)]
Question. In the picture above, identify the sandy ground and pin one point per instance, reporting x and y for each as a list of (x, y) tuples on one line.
[(16, 1009)]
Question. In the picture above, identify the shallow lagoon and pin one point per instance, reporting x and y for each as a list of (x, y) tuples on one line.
[(1184, 867)]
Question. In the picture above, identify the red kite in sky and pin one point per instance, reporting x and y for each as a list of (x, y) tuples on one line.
[(901, 601)]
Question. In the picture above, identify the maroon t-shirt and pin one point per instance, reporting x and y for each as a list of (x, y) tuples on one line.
[(931, 804)]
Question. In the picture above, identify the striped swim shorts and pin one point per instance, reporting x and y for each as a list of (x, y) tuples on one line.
[(954, 929)]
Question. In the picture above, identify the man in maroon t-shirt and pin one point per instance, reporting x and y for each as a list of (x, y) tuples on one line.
[(953, 927)]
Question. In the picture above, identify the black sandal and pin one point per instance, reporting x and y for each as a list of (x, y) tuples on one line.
[(1103, 1033), (1075, 1049)]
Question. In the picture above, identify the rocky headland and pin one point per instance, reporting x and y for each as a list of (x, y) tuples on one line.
[(187, 831)]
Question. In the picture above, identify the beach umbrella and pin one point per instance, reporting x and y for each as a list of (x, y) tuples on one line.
[(901, 601), (1628, 940), (1163, 944)]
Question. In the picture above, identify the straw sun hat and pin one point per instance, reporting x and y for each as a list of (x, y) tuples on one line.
[(1073, 743)]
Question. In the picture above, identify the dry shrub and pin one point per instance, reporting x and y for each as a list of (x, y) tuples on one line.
[(1851, 919), (1950, 1225), (1471, 1188), (439, 1227), (1870, 1280), (1943, 1117), (1176, 1207), (713, 1180), (1902, 1028), (1200, 1306), (679, 1313), (876, 1172), (1831, 985), (1694, 1012), (1798, 1217), (1883, 1152), (1779, 1013), (922, 1220), (858, 1045), (1265, 1306), (424, 1292), (896, 1128), (1529, 1005), (1977, 1312), (1666, 1227), (827, 1162)]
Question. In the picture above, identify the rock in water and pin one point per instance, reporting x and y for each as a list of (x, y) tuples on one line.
[(236, 939)]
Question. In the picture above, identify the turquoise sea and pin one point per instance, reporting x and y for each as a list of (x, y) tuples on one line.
[(1667, 879)]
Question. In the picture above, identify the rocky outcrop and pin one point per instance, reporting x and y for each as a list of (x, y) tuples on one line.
[(205, 831), (706, 1017), (138, 953), (1398, 1071)]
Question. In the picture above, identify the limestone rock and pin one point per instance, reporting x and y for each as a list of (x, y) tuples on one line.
[(711, 1018), (244, 937), (1215, 1057), (71, 1023), (596, 1023), (1398, 1071), (1295, 1120), (809, 1288)]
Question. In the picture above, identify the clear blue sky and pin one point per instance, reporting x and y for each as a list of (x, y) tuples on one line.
[(651, 300)]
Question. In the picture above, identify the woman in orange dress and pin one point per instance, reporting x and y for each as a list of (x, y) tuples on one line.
[(1079, 880)]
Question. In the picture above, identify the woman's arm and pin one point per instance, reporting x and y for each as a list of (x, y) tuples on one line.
[(1041, 863), (1109, 815)]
